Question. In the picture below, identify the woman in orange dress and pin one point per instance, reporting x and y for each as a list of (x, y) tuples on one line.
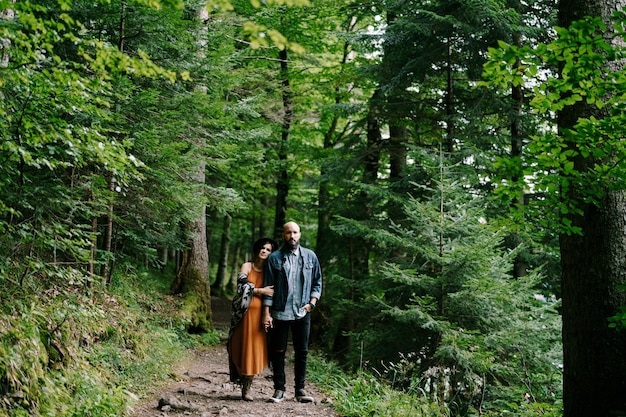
[(247, 345)]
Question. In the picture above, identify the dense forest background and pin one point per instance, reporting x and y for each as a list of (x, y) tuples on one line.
[(458, 167)]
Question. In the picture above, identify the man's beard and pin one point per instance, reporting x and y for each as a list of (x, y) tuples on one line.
[(291, 246)]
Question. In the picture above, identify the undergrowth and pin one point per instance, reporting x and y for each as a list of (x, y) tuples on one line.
[(82, 349), (363, 394)]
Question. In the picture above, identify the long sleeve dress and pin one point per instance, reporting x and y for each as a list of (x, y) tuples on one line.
[(247, 346)]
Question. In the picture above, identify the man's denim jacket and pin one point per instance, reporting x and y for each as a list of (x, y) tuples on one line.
[(276, 275)]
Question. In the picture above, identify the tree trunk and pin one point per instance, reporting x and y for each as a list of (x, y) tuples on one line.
[(358, 254), (282, 185), (396, 114), (265, 202), (163, 257), (108, 235), (222, 267), (192, 280), (105, 269), (517, 137), (323, 248), (235, 262), (93, 249), (593, 265), (450, 112), (397, 158)]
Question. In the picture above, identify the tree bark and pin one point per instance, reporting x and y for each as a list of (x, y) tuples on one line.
[(396, 114), (234, 273), (593, 266), (222, 268), (282, 185), (192, 280), (108, 235), (398, 136)]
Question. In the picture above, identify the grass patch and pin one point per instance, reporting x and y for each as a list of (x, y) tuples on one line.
[(363, 395), (86, 350)]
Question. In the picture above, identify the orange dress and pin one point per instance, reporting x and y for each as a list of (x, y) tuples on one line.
[(248, 345)]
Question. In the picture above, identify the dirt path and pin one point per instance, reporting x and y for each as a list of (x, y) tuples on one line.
[(201, 387)]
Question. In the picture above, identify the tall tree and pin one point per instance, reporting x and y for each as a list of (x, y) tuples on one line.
[(193, 276), (594, 261), (580, 172), (282, 185)]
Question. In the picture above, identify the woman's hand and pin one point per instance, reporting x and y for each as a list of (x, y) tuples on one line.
[(268, 291)]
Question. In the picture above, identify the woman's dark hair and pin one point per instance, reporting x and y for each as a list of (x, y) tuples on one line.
[(258, 245)]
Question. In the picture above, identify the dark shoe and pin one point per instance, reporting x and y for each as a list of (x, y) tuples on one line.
[(278, 396), (303, 397)]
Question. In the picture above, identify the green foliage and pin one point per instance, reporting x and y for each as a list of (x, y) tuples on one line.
[(91, 123), (44, 336), (365, 395), (60, 143), (580, 165), (260, 35), (445, 301), (227, 5)]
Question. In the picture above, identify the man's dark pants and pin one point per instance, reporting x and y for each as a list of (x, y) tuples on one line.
[(300, 330)]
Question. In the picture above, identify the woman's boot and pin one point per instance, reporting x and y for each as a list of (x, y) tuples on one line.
[(245, 388)]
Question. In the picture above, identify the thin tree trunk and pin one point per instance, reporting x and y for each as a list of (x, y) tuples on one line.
[(323, 211), (450, 112), (235, 263), (108, 235), (262, 217), (323, 249), (94, 245), (105, 270), (514, 240), (120, 44), (163, 257), (396, 113), (222, 267), (397, 158), (282, 185)]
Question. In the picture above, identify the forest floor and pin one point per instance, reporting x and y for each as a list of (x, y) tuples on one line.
[(200, 386)]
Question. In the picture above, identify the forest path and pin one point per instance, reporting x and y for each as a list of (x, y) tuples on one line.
[(200, 387)]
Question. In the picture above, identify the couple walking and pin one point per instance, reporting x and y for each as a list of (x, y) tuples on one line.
[(275, 292)]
